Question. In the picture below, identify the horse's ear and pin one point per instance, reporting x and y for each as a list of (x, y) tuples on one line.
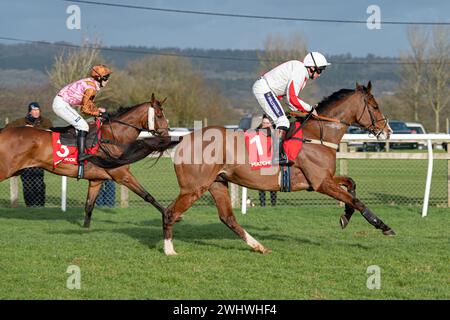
[(359, 87), (369, 86), (164, 100), (152, 98)]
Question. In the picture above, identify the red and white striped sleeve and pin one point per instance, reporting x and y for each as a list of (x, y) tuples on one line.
[(294, 102)]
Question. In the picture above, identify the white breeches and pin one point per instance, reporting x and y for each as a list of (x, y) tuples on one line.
[(67, 113), (269, 103)]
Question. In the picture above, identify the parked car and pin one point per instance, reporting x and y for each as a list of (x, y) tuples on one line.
[(356, 130), (398, 127), (417, 128), (231, 126), (250, 122), (179, 131)]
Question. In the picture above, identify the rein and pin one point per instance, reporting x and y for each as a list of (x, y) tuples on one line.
[(320, 118), (140, 129), (151, 114)]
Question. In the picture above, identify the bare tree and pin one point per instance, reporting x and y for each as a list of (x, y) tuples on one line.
[(190, 98), (73, 65), (279, 49), (411, 89), (76, 64), (438, 73)]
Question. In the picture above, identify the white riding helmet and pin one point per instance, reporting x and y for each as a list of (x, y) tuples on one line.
[(315, 59)]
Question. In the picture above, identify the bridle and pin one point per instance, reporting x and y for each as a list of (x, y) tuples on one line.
[(150, 129), (372, 128)]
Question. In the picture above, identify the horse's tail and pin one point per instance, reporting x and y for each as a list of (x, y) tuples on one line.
[(136, 151)]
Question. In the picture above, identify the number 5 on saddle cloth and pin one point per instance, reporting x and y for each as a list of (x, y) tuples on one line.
[(64, 141)]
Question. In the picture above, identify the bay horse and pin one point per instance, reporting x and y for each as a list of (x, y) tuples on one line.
[(313, 169), (24, 147)]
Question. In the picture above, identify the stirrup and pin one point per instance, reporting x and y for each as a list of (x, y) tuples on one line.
[(80, 172), (84, 156), (283, 161)]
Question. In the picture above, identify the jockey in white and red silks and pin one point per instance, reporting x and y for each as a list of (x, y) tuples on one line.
[(286, 81)]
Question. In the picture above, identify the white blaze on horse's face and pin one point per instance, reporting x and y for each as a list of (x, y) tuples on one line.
[(386, 133), (151, 118)]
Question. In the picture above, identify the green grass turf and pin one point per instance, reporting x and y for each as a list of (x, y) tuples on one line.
[(393, 182), (121, 256)]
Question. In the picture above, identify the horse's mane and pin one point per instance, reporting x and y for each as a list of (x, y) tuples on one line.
[(122, 110), (333, 98)]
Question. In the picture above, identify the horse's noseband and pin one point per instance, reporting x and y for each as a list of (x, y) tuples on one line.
[(372, 128)]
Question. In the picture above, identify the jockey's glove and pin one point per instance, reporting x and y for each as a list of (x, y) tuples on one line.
[(103, 116)]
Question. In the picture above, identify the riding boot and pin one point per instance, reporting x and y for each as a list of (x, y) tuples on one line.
[(82, 156), (283, 159)]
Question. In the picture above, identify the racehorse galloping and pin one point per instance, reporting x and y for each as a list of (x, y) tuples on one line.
[(23, 147), (314, 167)]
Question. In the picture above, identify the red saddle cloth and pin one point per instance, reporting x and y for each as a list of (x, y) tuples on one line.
[(69, 154), (259, 146), (293, 144)]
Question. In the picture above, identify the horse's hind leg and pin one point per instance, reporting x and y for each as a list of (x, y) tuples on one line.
[(350, 185), (331, 188), (94, 189), (219, 191)]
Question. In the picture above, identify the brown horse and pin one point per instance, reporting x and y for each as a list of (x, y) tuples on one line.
[(24, 147), (314, 167)]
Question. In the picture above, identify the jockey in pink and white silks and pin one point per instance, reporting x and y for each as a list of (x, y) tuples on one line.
[(81, 93), (286, 81)]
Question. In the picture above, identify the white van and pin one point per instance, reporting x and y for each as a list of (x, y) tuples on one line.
[(417, 128)]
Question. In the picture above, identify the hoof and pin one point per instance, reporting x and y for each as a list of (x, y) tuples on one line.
[(262, 250), (343, 221), (87, 224), (171, 254), (389, 232)]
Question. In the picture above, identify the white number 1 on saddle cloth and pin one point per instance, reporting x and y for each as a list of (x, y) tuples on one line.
[(259, 148)]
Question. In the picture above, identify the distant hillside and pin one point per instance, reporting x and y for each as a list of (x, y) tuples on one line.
[(27, 64)]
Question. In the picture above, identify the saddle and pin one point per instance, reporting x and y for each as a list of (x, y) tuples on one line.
[(68, 135), (294, 127)]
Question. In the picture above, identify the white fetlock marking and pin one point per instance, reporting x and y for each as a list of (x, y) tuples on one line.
[(252, 242), (168, 247)]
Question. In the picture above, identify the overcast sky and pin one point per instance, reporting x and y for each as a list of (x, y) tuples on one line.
[(46, 20)]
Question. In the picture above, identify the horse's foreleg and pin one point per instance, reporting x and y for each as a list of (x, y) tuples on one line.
[(331, 188), (124, 177), (350, 185), (219, 191), (94, 189), (173, 214)]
